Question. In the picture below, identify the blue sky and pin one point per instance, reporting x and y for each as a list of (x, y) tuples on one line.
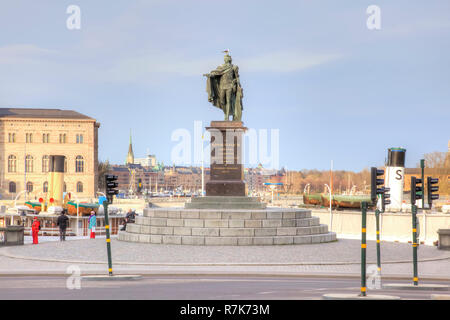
[(311, 69)]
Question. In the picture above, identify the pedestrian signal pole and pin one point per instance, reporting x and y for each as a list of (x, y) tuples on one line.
[(363, 248), (422, 167), (431, 189), (111, 185), (416, 193), (384, 201), (375, 193), (377, 219)]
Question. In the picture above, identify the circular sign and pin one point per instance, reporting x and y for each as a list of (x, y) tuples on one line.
[(52, 200), (41, 200)]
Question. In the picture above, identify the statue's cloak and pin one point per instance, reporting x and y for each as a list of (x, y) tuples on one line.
[(212, 88)]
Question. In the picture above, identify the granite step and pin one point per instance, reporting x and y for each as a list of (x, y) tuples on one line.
[(227, 223), (217, 202), (226, 205), (268, 213), (227, 241), (200, 230), (225, 199)]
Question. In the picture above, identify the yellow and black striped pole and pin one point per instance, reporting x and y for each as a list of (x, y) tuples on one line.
[(377, 218), (108, 238), (414, 244), (363, 248)]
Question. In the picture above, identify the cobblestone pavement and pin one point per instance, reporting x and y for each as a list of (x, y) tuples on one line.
[(342, 251), (338, 258)]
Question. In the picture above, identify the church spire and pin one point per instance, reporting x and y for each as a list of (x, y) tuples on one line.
[(130, 156)]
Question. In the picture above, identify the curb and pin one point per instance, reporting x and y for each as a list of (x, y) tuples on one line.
[(342, 296), (119, 277), (237, 274), (222, 264), (420, 286)]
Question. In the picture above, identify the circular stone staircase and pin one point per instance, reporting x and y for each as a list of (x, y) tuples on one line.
[(227, 227)]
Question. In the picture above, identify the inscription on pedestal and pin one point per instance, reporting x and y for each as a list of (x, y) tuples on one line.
[(227, 172)]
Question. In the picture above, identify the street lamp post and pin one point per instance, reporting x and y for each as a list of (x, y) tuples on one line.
[(331, 213), (203, 168), (78, 211), (272, 188)]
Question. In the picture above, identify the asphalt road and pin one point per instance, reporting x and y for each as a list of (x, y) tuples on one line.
[(194, 288)]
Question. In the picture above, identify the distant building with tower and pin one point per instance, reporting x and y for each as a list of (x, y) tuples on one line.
[(148, 161), (29, 136), (130, 155)]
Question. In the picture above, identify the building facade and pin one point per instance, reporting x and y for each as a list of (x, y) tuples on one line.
[(158, 179), (29, 136)]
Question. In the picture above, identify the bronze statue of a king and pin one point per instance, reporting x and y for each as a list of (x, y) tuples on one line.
[(224, 89)]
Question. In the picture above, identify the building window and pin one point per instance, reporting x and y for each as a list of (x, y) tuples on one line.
[(80, 138), (12, 163), (29, 138), (62, 138), (29, 163), (12, 187), (46, 138), (29, 186), (11, 137), (45, 164), (79, 187), (79, 164), (45, 187)]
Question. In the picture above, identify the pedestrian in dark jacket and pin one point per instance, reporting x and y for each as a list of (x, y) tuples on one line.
[(62, 222)]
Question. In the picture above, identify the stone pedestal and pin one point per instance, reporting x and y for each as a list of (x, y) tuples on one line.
[(227, 170), (11, 236), (444, 239)]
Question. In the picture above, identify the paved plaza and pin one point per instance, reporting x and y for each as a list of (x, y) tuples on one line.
[(332, 259)]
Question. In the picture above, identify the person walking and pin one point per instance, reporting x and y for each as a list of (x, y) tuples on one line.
[(35, 227), (62, 222), (92, 223)]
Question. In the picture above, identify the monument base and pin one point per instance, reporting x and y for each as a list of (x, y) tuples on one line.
[(225, 188), (227, 227)]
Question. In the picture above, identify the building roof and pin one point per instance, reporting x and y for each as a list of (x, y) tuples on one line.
[(42, 113)]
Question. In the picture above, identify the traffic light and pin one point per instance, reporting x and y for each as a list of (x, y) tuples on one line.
[(139, 189), (431, 189), (375, 182), (416, 189), (385, 198), (111, 185)]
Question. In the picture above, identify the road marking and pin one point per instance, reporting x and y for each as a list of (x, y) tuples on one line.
[(266, 292)]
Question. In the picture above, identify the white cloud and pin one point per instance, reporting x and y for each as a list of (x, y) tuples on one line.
[(26, 52), (153, 66)]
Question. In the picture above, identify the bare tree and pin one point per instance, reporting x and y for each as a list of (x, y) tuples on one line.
[(103, 169), (436, 159)]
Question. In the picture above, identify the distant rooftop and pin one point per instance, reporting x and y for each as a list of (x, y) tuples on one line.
[(41, 113)]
